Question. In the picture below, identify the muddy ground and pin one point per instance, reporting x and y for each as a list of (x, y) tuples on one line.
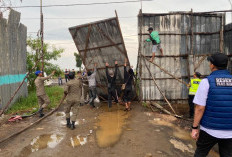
[(101, 133)]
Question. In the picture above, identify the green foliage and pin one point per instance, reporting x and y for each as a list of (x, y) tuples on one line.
[(30, 103), (78, 60), (33, 55)]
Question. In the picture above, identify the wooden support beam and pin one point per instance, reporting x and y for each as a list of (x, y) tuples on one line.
[(100, 47), (87, 42), (111, 41), (159, 87), (199, 63), (162, 69)]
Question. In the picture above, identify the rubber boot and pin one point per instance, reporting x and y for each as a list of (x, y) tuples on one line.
[(68, 123), (73, 125), (41, 113)]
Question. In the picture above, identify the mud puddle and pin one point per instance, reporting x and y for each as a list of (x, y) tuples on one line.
[(177, 132), (41, 142), (110, 126), (78, 141)]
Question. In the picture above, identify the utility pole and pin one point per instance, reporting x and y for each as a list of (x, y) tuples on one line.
[(42, 34)]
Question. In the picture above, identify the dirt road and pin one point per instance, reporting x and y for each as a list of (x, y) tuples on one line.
[(101, 133)]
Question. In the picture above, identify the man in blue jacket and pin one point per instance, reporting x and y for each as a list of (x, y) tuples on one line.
[(213, 111)]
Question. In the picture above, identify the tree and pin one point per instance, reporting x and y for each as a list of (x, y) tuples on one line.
[(78, 60), (50, 53)]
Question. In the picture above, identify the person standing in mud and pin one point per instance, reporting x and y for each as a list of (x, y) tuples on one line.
[(156, 43), (85, 86), (193, 86), (73, 90), (213, 111), (111, 78), (66, 75), (92, 85), (43, 99), (128, 82)]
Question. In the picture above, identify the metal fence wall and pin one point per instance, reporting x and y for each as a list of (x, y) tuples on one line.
[(13, 37), (100, 42), (186, 38), (228, 43)]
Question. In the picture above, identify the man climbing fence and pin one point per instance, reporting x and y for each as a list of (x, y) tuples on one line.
[(155, 39)]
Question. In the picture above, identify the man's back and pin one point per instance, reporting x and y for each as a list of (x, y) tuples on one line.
[(73, 88)]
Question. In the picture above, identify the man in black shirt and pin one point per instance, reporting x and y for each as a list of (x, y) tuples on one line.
[(111, 78)]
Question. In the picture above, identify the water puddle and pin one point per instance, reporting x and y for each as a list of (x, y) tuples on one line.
[(110, 126), (78, 141), (181, 146), (177, 132), (42, 142)]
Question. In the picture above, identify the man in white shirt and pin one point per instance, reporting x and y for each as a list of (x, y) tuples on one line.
[(213, 111)]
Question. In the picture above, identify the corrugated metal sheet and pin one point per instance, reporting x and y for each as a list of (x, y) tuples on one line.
[(185, 38), (228, 43), (13, 36), (100, 42)]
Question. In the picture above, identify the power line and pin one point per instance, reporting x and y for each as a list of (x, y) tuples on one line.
[(73, 18), (77, 4)]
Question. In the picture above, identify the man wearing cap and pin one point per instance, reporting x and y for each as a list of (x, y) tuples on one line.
[(111, 78), (43, 99), (193, 86), (92, 85), (155, 39), (73, 90), (213, 111)]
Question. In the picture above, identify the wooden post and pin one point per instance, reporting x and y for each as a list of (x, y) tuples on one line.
[(87, 42), (222, 33), (158, 87), (164, 70), (121, 37)]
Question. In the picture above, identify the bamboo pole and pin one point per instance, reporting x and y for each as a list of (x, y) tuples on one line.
[(32, 124), (159, 87), (199, 63), (16, 91), (162, 69)]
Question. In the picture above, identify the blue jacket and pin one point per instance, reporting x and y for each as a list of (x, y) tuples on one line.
[(218, 111)]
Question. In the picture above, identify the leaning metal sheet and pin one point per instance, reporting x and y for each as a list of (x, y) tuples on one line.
[(100, 42)]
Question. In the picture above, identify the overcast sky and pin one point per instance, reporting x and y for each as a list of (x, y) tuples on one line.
[(56, 30)]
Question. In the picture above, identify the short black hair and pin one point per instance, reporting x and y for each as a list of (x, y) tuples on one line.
[(198, 74), (89, 73)]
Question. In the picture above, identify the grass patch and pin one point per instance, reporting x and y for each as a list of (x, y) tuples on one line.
[(30, 104)]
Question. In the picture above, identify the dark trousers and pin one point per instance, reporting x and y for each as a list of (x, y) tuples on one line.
[(112, 93), (92, 95), (66, 79), (191, 105), (60, 81), (206, 142), (127, 94)]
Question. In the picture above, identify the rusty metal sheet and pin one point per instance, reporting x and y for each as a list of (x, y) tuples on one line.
[(185, 38), (100, 42)]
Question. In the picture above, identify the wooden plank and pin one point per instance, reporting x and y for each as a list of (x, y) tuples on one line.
[(112, 42), (87, 42)]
